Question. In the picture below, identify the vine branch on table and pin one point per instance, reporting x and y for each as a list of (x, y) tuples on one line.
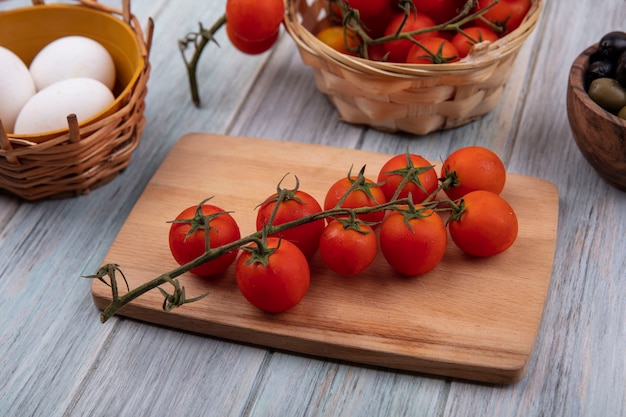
[(199, 40)]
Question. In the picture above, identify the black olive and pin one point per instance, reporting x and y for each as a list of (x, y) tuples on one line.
[(600, 69), (596, 56), (620, 69), (612, 45)]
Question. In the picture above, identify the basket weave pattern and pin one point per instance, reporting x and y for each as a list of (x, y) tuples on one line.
[(417, 99), (83, 158)]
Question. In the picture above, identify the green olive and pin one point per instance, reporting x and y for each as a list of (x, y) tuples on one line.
[(608, 93), (622, 113)]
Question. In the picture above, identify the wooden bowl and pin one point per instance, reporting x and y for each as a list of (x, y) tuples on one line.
[(600, 135)]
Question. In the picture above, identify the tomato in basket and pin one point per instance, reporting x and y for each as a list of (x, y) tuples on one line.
[(440, 11), (397, 50), (464, 41), (432, 50), (505, 14), (339, 38)]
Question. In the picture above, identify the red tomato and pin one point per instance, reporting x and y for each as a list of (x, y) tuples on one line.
[(506, 14), (433, 50), (422, 183), (367, 195), (254, 20), (397, 50), (414, 248), (348, 248), (485, 226), (249, 47), (440, 11), (370, 9), (374, 15), (187, 237), (376, 52), (276, 279), (473, 168), (297, 205), (339, 38), (463, 42)]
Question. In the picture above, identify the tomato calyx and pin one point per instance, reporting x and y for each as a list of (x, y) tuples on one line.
[(259, 250), (437, 57), (358, 183), (449, 179), (354, 223), (457, 210), (283, 194), (200, 221), (410, 173), (411, 211)]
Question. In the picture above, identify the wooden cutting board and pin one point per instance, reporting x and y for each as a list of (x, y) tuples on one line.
[(469, 318)]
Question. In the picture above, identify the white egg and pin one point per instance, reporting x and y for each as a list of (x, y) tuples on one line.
[(72, 57), (16, 87), (48, 109)]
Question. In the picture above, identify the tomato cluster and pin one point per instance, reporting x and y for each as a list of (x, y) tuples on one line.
[(406, 215), (606, 76), (405, 31), (419, 31)]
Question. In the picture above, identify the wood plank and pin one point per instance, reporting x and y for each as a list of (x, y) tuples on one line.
[(470, 318)]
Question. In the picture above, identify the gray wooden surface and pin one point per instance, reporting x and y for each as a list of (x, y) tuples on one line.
[(57, 359)]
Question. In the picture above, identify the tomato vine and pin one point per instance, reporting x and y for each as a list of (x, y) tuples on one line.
[(108, 274)]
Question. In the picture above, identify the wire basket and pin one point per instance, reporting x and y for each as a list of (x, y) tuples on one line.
[(413, 98), (77, 159)]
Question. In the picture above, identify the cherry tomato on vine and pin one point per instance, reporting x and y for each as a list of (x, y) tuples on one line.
[(413, 244), (422, 182), (485, 226), (296, 205), (433, 50), (374, 15), (275, 278), (370, 9), (397, 50), (473, 168), (368, 194), (463, 42), (254, 20), (348, 248), (339, 38), (187, 237), (376, 52), (440, 11), (250, 47), (506, 14)]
